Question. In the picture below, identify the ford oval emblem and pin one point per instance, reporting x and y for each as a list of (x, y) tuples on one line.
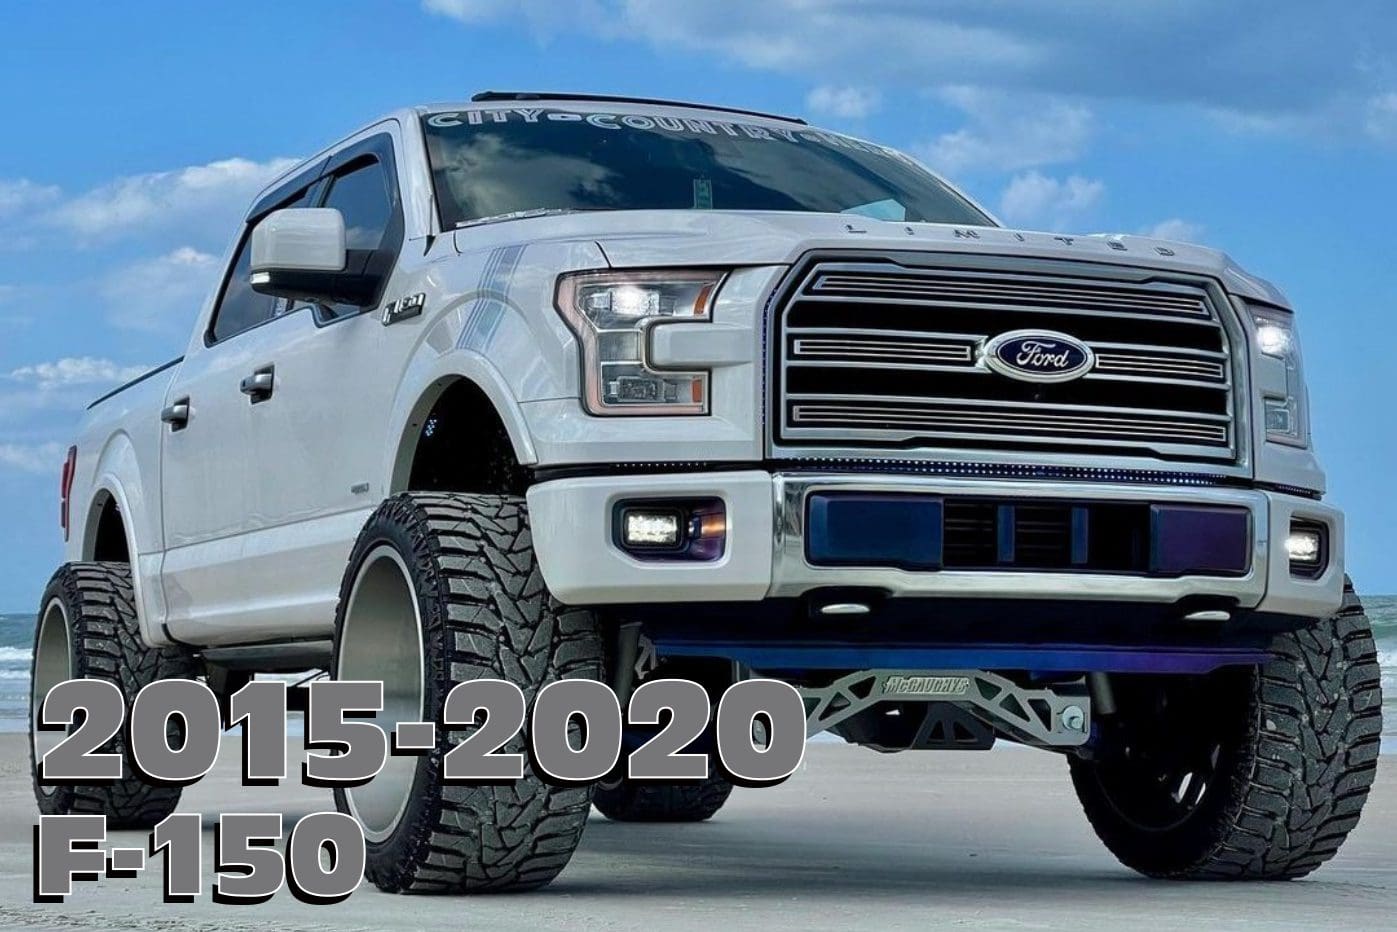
[(1039, 356)]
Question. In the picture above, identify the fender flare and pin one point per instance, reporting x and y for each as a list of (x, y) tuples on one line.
[(116, 472)]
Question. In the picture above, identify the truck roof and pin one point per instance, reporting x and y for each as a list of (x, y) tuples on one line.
[(506, 96)]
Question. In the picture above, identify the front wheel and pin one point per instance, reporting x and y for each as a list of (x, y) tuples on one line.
[(1253, 773), (442, 589)]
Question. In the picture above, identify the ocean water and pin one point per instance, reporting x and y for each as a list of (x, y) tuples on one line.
[(17, 643), (16, 651), (1382, 612)]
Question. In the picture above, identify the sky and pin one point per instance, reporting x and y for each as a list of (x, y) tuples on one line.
[(139, 131)]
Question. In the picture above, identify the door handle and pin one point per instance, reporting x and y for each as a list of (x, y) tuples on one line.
[(259, 385), (176, 415)]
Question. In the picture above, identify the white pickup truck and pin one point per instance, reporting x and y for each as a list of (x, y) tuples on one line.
[(537, 387)]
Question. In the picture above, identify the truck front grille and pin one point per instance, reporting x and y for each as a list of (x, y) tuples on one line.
[(875, 354)]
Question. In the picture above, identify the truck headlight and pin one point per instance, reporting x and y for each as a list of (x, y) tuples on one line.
[(611, 314), (1283, 400)]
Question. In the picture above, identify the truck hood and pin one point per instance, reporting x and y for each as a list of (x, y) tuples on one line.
[(653, 238)]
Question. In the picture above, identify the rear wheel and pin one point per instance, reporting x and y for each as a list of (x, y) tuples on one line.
[(442, 589), (1247, 773), (88, 629)]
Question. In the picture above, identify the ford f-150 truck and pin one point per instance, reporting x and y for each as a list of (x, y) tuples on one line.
[(548, 386)]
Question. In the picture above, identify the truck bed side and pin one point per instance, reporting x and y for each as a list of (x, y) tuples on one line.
[(118, 464)]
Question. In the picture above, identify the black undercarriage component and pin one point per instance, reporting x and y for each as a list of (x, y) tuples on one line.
[(916, 726)]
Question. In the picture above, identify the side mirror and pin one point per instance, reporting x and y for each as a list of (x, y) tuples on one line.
[(299, 253)]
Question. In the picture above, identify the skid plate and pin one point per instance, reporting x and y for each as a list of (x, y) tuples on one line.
[(1059, 716)]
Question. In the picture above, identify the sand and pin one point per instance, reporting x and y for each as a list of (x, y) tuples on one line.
[(854, 840)]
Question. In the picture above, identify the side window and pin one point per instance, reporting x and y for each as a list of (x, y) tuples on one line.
[(364, 196), (239, 307)]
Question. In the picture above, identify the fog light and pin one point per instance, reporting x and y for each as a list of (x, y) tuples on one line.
[(1305, 545), (650, 529), (672, 529)]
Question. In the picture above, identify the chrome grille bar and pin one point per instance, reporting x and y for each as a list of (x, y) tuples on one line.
[(938, 416), (1163, 367), (1046, 294), (907, 347)]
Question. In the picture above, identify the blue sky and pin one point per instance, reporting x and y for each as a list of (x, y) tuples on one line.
[(139, 130)]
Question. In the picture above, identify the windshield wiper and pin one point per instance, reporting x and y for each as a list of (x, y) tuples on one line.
[(525, 214)]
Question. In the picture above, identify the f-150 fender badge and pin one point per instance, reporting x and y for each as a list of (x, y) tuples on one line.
[(1038, 356), (948, 686), (403, 308)]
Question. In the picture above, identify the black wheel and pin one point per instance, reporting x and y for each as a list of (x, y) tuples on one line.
[(441, 589), (88, 628), (626, 800), (1248, 773)]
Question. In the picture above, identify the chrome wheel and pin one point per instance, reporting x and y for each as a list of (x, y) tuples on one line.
[(381, 639), (53, 663)]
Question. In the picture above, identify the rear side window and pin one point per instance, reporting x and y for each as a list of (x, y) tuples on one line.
[(239, 307)]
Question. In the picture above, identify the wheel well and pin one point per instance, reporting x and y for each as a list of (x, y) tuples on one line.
[(109, 534), (463, 446)]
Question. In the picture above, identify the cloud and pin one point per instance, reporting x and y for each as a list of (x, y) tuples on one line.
[(210, 195), (30, 394), (467, 11), (148, 262), (845, 103), (1381, 122), (22, 194), (160, 295), (1277, 62), (76, 370), (820, 37), (1181, 231), (1008, 133), (546, 18), (39, 458), (1034, 199)]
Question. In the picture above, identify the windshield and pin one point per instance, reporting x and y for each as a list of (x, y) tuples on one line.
[(488, 164)]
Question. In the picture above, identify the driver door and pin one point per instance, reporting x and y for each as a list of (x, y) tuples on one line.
[(315, 441)]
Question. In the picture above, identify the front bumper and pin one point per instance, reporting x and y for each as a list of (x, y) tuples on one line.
[(765, 556)]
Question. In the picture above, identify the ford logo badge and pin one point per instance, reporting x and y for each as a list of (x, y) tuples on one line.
[(1038, 356)]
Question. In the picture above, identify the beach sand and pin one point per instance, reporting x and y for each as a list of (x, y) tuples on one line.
[(854, 840)]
